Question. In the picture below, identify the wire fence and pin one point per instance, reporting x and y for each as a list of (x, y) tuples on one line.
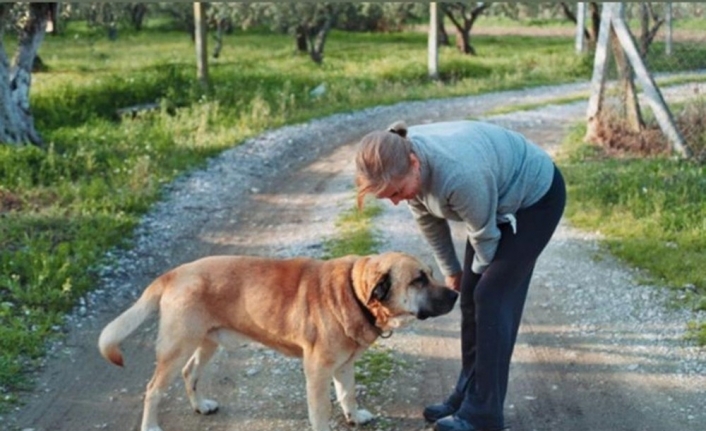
[(672, 44)]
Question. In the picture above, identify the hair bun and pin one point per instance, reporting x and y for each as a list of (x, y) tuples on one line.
[(398, 128)]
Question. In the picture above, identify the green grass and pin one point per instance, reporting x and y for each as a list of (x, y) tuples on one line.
[(64, 206), (374, 369), (355, 234), (650, 212)]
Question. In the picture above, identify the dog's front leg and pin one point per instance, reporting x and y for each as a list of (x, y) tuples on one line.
[(344, 381), (318, 381)]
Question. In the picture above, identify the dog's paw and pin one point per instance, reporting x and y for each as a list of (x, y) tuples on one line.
[(360, 417), (207, 407)]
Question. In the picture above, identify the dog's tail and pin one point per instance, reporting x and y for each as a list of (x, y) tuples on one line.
[(125, 324)]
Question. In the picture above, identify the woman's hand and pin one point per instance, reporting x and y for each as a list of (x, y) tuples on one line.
[(454, 281)]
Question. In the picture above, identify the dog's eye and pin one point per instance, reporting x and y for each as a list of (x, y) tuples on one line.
[(382, 289), (421, 279)]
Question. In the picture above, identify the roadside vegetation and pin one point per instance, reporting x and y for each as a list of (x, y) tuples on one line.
[(649, 211), (63, 207), (354, 232)]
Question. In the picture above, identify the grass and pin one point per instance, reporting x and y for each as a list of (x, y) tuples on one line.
[(63, 207), (374, 369), (355, 234), (650, 213)]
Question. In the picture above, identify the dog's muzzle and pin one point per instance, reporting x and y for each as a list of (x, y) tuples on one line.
[(438, 302)]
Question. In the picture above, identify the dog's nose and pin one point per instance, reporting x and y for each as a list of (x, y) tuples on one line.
[(440, 302), (453, 295)]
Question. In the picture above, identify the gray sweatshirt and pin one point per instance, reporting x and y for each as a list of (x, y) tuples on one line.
[(479, 174)]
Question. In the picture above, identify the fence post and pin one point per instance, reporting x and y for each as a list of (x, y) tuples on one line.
[(433, 40), (580, 43), (200, 40), (668, 29)]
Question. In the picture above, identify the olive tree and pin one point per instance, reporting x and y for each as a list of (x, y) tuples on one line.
[(16, 121), (310, 23), (463, 15)]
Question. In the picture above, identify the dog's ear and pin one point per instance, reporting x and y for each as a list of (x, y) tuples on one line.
[(381, 290)]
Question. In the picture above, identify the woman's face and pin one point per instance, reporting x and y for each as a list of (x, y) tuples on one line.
[(404, 188)]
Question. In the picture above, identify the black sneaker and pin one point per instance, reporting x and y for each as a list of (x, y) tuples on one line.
[(435, 412)]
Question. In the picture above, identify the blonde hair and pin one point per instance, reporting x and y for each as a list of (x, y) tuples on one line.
[(382, 156)]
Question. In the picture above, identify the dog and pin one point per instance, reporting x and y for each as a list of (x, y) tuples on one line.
[(327, 312)]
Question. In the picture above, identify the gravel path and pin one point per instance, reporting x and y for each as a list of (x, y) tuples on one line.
[(597, 350)]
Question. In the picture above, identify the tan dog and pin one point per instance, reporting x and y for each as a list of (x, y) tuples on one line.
[(326, 312)]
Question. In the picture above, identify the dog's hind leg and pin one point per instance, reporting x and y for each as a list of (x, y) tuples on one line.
[(169, 361), (344, 382), (318, 381), (193, 371)]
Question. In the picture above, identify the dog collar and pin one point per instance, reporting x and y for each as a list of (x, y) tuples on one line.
[(369, 315)]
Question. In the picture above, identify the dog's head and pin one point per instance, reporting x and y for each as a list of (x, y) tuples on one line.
[(397, 287)]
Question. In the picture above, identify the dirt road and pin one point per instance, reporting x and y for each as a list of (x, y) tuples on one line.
[(597, 351)]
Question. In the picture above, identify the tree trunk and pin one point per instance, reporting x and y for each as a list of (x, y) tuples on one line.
[(648, 34), (595, 20), (644, 28), (569, 14), (137, 15), (464, 23), (463, 42), (300, 38), (317, 38), (220, 28), (17, 122), (628, 93), (443, 36), (317, 42)]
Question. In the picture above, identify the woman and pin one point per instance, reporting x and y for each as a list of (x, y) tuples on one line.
[(510, 196)]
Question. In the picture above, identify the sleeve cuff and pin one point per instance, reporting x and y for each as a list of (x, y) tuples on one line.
[(477, 267)]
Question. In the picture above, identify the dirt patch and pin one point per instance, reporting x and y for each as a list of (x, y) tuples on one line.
[(616, 139), (9, 201)]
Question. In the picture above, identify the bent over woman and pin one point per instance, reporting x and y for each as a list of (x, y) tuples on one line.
[(510, 197)]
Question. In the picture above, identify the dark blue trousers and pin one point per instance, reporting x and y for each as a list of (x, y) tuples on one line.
[(491, 309)]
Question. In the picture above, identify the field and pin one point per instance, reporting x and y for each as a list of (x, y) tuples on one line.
[(64, 206)]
